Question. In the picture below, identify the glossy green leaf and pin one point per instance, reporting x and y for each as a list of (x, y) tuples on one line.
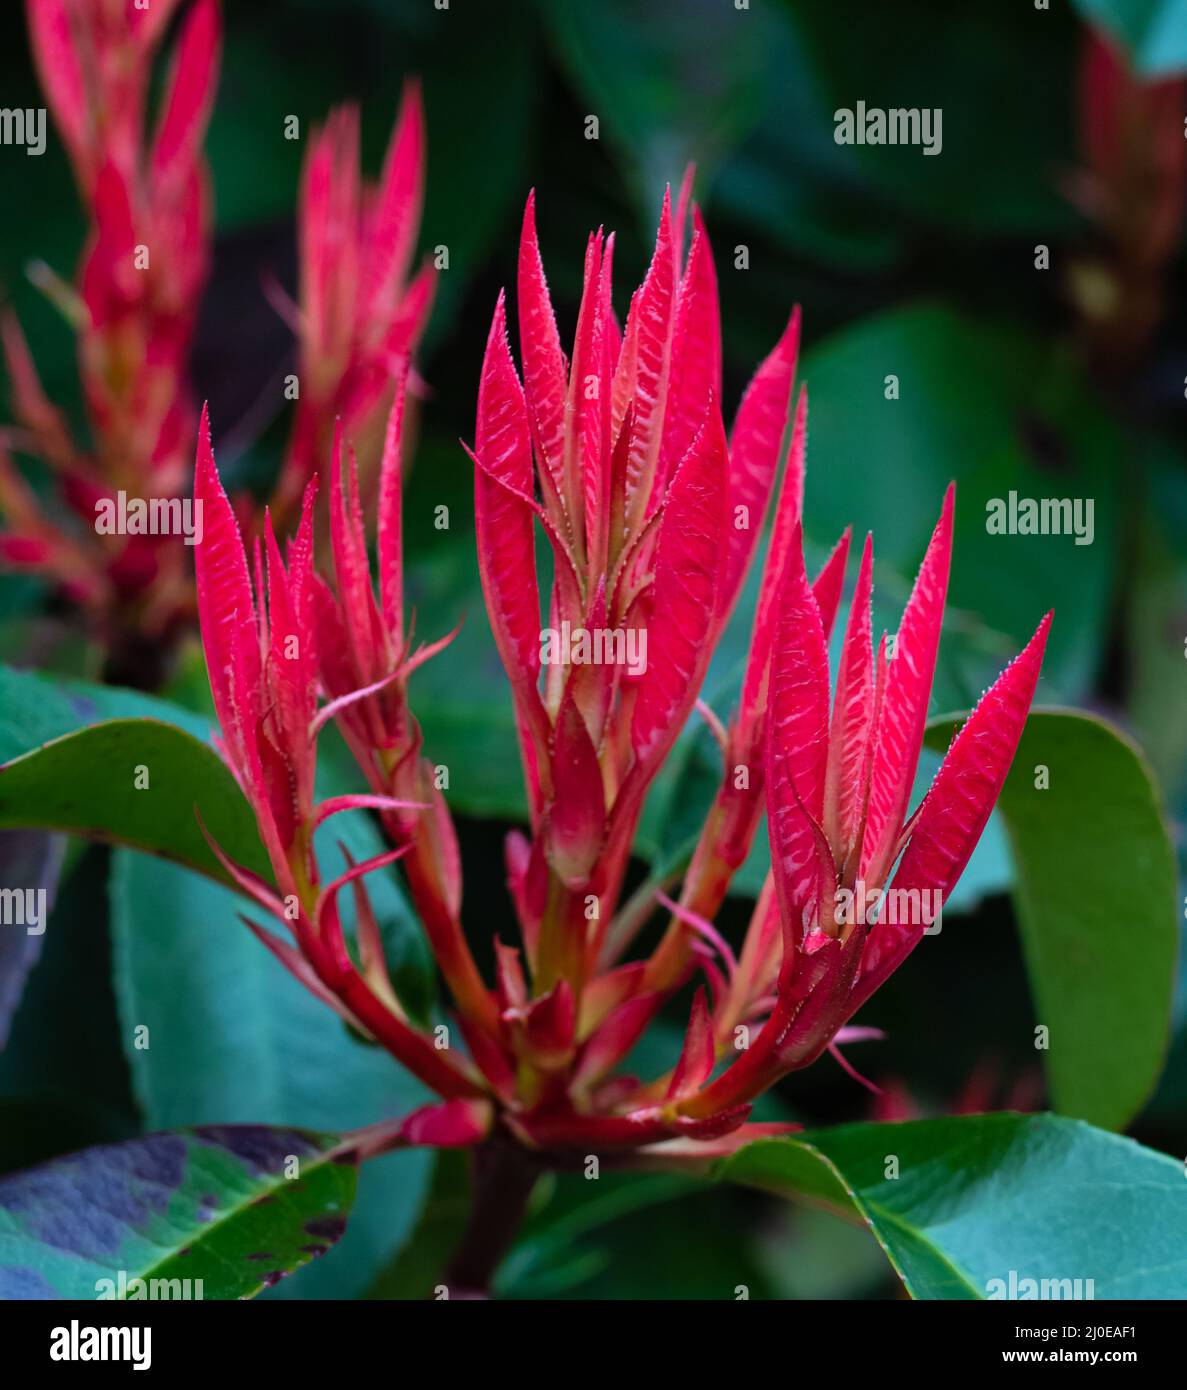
[(232, 1037), (86, 784), (231, 1209), (74, 752), (138, 779), (1095, 889), (961, 1203)]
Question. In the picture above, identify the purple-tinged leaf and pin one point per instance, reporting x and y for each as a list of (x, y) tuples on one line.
[(221, 1211)]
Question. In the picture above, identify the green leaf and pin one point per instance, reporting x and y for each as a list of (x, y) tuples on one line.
[(233, 1037), (1154, 31), (72, 752), (977, 1197), (36, 708), (85, 781), (236, 1207), (1095, 887), (86, 784)]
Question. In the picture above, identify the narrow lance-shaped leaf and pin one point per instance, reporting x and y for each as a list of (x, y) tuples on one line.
[(576, 819), (396, 216), (544, 370), (797, 759), (754, 453), (390, 525), (225, 605), (190, 93), (584, 455), (958, 805), (785, 532), (689, 557), (650, 330), (696, 356), (853, 710), (506, 540), (901, 722), (60, 72)]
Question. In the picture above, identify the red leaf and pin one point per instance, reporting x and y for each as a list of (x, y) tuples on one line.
[(390, 520), (699, 1052), (193, 75), (454, 1124), (958, 805), (544, 370), (506, 536), (226, 610), (797, 741), (394, 223), (688, 566), (60, 72), (899, 735), (328, 231), (785, 534), (830, 582), (110, 281), (352, 570), (853, 712), (696, 357), (585, 464), (754, 452), (551, 1024), (649, 328), (576, 820)]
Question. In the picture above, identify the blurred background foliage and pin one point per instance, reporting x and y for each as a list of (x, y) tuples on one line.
[(918, 267)]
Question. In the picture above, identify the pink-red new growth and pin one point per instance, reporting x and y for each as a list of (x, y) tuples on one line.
[(618, 454), (133, 306), (359, 316)]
